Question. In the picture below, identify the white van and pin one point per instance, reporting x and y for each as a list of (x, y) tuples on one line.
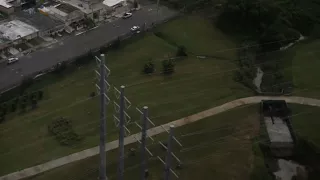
[(12, 60)]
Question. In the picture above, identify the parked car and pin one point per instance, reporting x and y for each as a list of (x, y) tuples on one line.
[(135, 29), (12, 60), (126, 15)]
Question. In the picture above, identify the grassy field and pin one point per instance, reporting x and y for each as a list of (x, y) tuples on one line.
[(205, 151), (224, 149), (305, 63), (198, 84), (306, 123)]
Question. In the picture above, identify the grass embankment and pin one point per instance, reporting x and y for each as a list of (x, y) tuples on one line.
[(219, 147), (196, 85)]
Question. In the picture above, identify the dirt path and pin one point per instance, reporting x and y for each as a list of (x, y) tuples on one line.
[(154, 131)]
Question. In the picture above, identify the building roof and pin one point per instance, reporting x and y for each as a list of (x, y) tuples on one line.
[(16, 29), (112, 3), (66, 8), (38, 20), (5, 3)]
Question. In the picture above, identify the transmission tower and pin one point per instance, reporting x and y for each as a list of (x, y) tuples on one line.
[(170, 154), (121, 122), (102, 87), (142, 141)]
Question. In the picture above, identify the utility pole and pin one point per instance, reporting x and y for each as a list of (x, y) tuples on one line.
[(121, 122), (158, 2), (121, 134), (102, 87), (168, 156), (143, 143)]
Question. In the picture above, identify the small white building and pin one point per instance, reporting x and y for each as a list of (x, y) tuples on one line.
[(113, 3), (65, 12), (16, 30), (6, 6)]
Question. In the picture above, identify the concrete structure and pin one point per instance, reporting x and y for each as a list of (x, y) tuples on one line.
[(17, 31), (6, 6), (113, 3), (11, 6), (93, 9), (276, 117), (43, 23), (65, 13)]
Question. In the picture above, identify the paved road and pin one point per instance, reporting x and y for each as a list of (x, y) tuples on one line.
[(152, 132), (78, 45)]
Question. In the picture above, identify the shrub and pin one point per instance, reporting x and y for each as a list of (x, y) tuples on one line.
[(84, 59), (2, 117), (34, 103), (14, 104), (135, 4), (159, 34), (40, 95), (181, 51), (116, 43), (149, 67), (4, 108), (13, 107), (60, 67), (23, 106), (92, 94), (168, 67), (26, 82), (63, 132)]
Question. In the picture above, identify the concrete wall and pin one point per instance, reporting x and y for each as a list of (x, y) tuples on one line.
[(7, 10), (52, 31)]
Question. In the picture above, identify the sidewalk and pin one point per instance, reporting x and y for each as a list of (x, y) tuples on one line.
[(154, 131)]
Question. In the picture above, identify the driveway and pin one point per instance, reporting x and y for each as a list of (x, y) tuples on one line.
[(154, 131), (77, 45)]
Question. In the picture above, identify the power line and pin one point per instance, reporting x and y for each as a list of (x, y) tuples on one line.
[(139, 83), (156, 117)]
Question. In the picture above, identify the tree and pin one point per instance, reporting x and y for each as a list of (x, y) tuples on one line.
[(34, 103), (168, 67), (135, 4), (4, 108), (89, 23), (34, 100), (40, 95), (26, 82), (181, 51), (23, 106), (2, 117), (116, 43), (60, 67), (14, 104), (149, 67)]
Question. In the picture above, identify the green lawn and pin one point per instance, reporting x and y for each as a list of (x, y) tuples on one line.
[(219, 147), (305, 63), (306, 122), (198, 84)]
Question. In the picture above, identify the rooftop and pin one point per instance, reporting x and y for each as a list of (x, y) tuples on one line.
[(16, 29), (66, 8), (5, 3), (112, 3), (95, 6), (278, 130), (38, 20)]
